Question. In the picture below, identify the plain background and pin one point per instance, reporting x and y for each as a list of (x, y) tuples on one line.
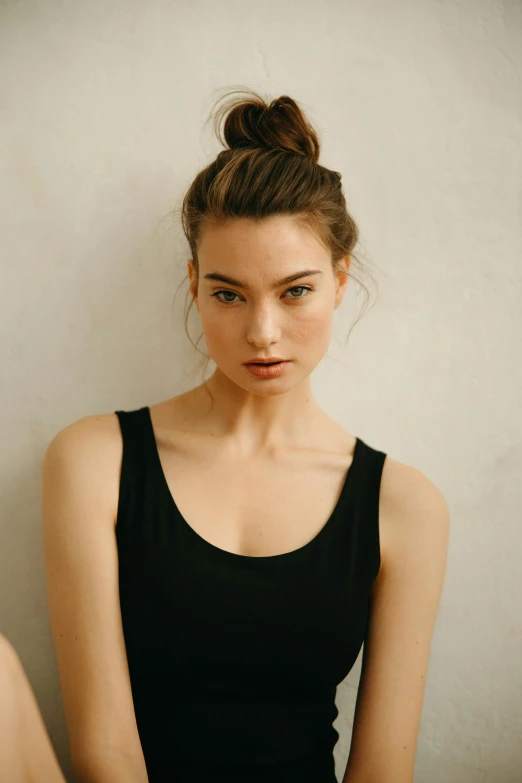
[(418, 105)]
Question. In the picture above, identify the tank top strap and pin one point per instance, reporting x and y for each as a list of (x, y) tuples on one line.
[(371, 463), (138, 461), (366, 504)]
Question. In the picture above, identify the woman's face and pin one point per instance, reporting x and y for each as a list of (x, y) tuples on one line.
[(258, 316)]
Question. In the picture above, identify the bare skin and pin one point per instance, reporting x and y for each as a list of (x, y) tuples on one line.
[(26, 752), (239, 514)]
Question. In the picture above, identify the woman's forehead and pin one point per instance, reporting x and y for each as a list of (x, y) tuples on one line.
[(278, 238)]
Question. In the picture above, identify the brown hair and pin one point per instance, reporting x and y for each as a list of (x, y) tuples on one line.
[(269, 167)]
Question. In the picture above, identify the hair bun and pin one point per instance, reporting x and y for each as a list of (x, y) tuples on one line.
[(280, 125)]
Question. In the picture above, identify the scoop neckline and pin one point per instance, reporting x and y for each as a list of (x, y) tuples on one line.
[(348, 480)]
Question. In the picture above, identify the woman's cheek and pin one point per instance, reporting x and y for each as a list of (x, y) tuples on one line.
[(314, 328)]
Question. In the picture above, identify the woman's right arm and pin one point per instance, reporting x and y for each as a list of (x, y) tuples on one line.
[(80, 487)]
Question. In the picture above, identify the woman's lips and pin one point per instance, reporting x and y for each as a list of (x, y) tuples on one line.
[(266, 370)]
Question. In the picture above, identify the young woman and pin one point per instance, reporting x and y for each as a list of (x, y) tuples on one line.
[(215, 562)]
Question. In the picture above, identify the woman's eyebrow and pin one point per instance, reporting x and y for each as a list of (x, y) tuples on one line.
[(284, 281)]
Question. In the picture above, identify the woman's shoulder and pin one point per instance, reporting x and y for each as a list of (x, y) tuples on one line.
[(401, 483), (102, 431), (88, 430), (409, 501), (88, 453)]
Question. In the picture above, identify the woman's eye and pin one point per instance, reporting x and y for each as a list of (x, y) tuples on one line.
[(217, 294), (300, 288)]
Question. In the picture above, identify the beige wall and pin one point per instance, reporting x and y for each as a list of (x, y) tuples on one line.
[(418, 105)]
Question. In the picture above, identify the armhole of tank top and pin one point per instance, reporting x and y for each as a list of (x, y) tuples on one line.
[(374, 463), (123, 491), (379, 457)]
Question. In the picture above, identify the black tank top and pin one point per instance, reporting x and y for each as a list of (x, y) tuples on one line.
[(234, 660)]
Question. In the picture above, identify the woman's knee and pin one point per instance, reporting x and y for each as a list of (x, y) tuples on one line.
[(29, 754), (12, 765), (7, 650)]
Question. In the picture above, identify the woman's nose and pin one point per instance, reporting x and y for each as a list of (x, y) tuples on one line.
[(262, 327)]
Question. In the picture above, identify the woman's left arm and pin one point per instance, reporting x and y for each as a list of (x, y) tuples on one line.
[(414, 531)]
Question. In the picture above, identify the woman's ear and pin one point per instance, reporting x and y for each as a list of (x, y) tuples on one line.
[(193, 281), (341, 279)]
